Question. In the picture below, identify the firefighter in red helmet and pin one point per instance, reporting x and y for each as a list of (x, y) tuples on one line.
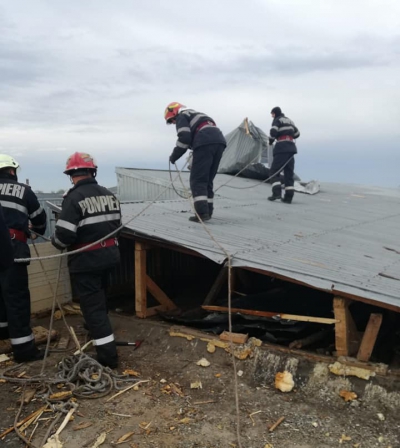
[(89, 213), (200, 133)]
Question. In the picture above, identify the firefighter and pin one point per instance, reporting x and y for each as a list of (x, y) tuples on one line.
[(200, 133), (7, 258), (89, 213), (22, 212), (284, 132)]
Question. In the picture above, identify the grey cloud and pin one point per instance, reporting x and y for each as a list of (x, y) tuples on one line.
[(235, 63)]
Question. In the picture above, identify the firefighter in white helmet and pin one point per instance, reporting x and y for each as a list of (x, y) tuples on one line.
[(22, 212)]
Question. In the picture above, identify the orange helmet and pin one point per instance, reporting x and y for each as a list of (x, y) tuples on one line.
[(80, 161), (171, 111)]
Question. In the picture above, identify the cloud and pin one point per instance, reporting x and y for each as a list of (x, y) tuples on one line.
[(94, 76)]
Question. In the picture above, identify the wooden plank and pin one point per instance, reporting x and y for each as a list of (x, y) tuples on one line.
[(222, 278), (347, 338), (159, 294), (153, 310), (140, 280), (369, 339), (224, 309), (379, 368), (237, 338)]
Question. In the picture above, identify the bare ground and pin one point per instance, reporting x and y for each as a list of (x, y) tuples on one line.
[(206, 417)]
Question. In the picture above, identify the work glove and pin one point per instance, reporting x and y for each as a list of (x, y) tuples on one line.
[(271, 141), (172, 159), (32, 235), (55, 244)]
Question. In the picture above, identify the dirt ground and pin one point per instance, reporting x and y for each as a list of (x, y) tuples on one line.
[(205, 417)]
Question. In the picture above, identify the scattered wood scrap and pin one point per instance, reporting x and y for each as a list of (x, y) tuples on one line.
[(240, 351), (27, 396), (63, 343), (276, 424), (126, 389), (251, 416), (237, 338), (26, 419), (376, 368)]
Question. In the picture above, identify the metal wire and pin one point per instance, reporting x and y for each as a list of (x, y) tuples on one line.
[(77, 251)]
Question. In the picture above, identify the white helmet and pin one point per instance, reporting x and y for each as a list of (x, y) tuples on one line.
[(7, 161)]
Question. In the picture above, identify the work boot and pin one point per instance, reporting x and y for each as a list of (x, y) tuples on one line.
[(203, 218), (4, 333), (29, 356), (274, 198), (111, 363), (107, 355), (210, 209), (289, 193)]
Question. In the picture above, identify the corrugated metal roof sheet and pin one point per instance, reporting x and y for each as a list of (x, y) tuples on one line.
[(344, 239), (142, 187)]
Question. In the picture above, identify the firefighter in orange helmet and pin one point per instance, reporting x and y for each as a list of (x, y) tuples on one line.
[(89, 213), (199, 132)]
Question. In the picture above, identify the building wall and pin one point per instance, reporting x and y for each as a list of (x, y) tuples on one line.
[(42, 284)]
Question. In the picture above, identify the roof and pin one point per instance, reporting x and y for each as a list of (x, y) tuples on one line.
[(344, 239)]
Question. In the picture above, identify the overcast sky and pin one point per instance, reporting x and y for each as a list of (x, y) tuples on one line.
[(96, 75)]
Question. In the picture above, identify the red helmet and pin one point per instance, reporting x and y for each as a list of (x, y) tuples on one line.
[(80, 161), (171, 111)]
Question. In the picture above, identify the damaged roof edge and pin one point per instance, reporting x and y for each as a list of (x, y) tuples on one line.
[(326, 285), (330, 286), (338, 237)]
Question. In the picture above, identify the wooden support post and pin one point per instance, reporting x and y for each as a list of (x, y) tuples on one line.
[(369, 338), (347, 339), (222, 277), (140, 280), (144, 283)]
